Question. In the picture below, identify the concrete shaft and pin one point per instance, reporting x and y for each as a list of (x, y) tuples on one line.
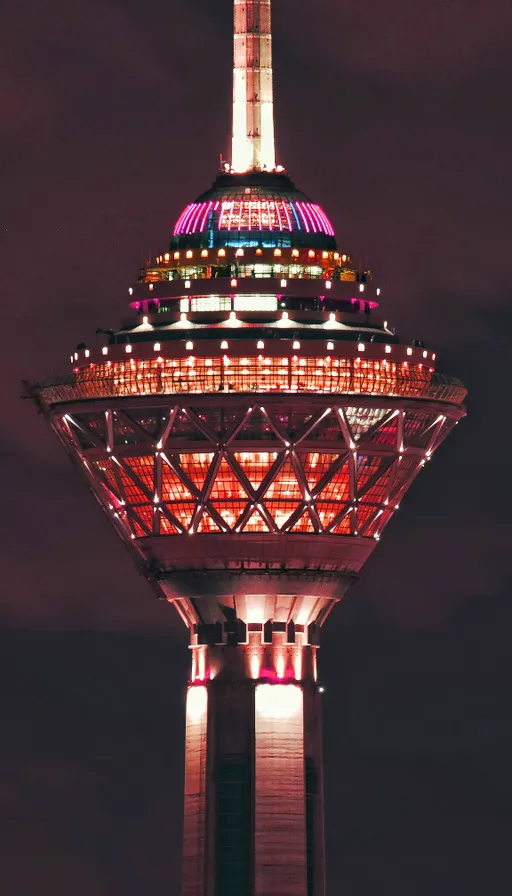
[(253, 819)]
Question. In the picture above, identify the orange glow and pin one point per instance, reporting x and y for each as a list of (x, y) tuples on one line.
[(208, 375)]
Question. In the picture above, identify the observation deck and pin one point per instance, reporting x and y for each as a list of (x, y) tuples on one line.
[(255, 423)]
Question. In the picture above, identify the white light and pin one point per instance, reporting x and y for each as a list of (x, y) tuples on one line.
[(284, 283), (361, 347), (224, 346), (87, 353), (239, 253), (128, 349), (385, 324), (130, 291), (76, 356), (183, 316), (260, 344), (278, 701), (157, 347), (197, 704), (234, 282), (378, 292), (409, 351), (330, 346), (425, 354), (388, 349), (187, 284), (296, 345), (321, 690), (232, 315), (328, 284), (145, 319), (361, 287), (104, 350), (284, 315), (332, 317), (151, 286), (189, 346)]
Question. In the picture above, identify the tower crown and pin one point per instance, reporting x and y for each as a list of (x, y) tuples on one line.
[(253, 209)]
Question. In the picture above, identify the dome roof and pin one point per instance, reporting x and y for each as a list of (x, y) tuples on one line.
[(253, 209)]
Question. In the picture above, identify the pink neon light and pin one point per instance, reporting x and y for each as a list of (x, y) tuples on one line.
[(205, 216), (301, 213), (179, 222), (277, 206), (186, 219), (328, 226), (269, 214), (271, 675), (230, 219), (195, 216), (192, 224), (287, 213), (316, 217), (310, 217)]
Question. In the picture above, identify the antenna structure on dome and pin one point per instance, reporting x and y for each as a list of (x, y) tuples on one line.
[(253, 96)]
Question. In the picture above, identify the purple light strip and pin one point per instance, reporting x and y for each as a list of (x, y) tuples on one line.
[(287, 213), (328, 225), (224, 214), (205, 216), (316, 217), (301, 213), (187, 219), (192, 222), (181, 218), (269, 215), (230, 219), (310, 216), (278, 214)]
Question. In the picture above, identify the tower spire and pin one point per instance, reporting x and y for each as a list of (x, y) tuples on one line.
[(253, 95)]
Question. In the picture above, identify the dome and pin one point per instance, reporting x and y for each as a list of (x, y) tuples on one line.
[(253, 209)]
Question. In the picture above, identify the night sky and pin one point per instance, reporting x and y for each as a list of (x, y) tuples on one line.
[(395, 116)]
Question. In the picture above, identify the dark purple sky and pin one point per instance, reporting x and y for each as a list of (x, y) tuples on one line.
[(396, 118)]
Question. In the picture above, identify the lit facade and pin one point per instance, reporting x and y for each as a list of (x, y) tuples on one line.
[(250, 434)]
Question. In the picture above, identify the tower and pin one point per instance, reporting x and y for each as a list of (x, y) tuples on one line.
[(249, 434)]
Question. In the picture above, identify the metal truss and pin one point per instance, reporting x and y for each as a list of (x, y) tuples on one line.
[(245, 468)]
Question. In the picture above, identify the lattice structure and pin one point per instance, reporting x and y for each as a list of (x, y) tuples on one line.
[(340, 470)]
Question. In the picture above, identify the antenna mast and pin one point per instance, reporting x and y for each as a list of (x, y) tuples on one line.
[(253, 93)]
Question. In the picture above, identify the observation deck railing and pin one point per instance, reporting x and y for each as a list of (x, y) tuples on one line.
[(285, 376)]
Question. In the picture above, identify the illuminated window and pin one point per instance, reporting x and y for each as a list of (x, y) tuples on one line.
[(211, 303), (255, 303)]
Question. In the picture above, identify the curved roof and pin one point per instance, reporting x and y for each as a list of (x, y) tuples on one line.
[(257, 208)]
